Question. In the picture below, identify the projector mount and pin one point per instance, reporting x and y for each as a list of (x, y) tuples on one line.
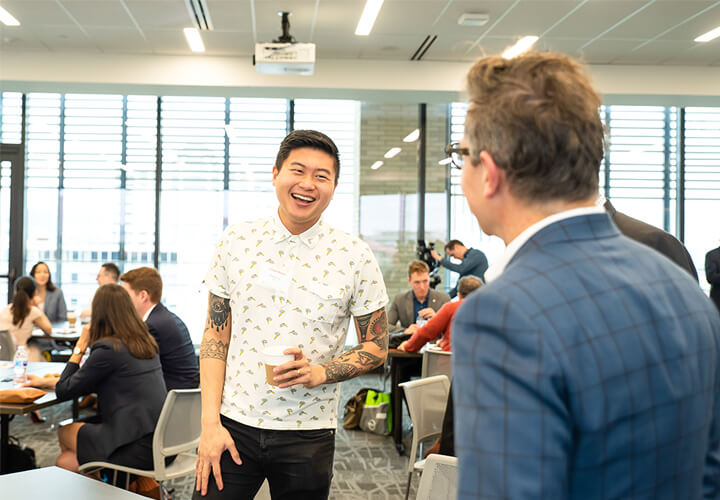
[(285, 24)]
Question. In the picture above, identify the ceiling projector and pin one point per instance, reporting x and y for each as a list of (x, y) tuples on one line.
[(284, 56)]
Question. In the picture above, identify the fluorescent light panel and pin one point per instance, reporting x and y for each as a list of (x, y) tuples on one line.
[(7, 19), (376, 165), (193, 39), (412, 136), (710, 35), (368, 16), (522, 45), (392, 153)]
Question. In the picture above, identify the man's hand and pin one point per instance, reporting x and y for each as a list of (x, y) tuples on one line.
[(435, 255), (214, 440), (401, 347), (299, 371), (426, 313), (411, 329)]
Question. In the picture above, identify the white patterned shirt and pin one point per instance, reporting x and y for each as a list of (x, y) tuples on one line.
[(287, 289)]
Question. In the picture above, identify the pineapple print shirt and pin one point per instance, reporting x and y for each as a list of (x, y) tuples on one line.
[(287, 289)]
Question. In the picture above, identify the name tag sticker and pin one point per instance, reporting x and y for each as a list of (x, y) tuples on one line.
[(275, 278)]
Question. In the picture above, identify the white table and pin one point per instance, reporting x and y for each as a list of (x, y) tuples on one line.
[(58, 484)]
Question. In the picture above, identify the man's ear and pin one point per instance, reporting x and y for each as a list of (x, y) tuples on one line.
[(144, 295), (494, 175), (276, 171)]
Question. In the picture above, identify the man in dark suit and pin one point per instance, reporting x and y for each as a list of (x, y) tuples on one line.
[(413, 308), (654, 237), (588, 365), (177, 354), (712, 273)]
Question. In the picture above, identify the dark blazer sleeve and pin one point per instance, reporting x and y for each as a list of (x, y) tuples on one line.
[(393, 316), (712, 267), (653, 237), (75, 381)]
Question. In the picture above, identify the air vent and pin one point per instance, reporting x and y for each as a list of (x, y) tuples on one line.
[(200, 14), (420, 52)]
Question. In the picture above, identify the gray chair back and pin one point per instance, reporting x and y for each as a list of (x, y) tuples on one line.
[(7, 346)]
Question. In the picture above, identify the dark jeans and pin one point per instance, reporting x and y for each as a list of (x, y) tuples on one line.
[(297, 464)]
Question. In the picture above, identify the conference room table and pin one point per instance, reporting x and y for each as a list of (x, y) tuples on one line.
[(8, 409), (402, 366), (61, 332), (58, 484)]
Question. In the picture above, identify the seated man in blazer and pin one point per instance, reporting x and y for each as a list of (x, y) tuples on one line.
[(177, 354), (420, 303)]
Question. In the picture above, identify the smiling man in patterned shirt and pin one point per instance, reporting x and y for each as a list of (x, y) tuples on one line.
[(287, 279)]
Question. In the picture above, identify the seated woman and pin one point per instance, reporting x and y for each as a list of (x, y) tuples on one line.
[(123, 368), (50, 297), (22, 315)]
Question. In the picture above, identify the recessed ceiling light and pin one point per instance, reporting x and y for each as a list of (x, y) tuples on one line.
[(412, 136), (710, 35), (376, 165), (7, 18), (193, 39), (393, 152), (368, 16), (522, 45), (445, 161)]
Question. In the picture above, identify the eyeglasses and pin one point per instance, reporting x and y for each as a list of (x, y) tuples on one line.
[(456, 153)]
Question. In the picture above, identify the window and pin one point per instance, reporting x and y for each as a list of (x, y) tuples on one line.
[(702, 184), (10, 117), (339, 121)]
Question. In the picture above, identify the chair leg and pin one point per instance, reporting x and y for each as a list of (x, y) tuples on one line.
[(407, 491)]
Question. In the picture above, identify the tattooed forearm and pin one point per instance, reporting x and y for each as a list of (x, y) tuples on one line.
[(337, 371), (213, 349), (218, 313), (372, 332), (373, 328)]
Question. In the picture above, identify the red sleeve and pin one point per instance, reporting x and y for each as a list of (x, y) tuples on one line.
[(432, 329)]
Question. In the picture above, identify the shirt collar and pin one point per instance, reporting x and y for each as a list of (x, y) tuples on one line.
[(147, 313), (499, 265), (310, 237)]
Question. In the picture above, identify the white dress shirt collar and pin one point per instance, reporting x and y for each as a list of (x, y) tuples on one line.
[(499, 265)]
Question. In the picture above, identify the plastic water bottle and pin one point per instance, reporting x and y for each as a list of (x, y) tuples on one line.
[(21, 361)]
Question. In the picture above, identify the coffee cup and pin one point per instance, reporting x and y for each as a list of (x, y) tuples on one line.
[(71, 318), (273, 356)]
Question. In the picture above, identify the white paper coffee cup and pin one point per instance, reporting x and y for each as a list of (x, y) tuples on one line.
[(273, 356)]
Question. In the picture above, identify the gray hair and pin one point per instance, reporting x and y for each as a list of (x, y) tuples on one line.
[(467, 284)]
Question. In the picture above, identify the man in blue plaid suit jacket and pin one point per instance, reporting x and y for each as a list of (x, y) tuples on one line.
[(587, 367)]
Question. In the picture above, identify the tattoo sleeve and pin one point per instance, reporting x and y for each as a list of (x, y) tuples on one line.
[(371, 353), (216, 338)]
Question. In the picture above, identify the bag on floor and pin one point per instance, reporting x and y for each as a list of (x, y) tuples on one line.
[(353, 409), (20, 457), (376, 414)]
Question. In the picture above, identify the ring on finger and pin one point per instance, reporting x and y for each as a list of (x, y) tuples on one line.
[(299, 372)]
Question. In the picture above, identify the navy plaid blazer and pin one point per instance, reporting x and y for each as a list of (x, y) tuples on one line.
[(587, 370)]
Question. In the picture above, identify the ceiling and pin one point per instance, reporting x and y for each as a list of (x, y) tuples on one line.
[(624, 32)]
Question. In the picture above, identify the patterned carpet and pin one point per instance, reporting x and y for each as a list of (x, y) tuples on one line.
[(367, 466)]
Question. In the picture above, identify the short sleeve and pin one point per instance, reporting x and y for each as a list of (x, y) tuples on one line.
[(370, 293), (216, 277)]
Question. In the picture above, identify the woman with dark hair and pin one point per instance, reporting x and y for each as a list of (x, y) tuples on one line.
[(22, 315), (50, 297), (123, 368)]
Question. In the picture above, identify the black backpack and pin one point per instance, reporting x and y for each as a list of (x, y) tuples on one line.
[(20, 457)]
